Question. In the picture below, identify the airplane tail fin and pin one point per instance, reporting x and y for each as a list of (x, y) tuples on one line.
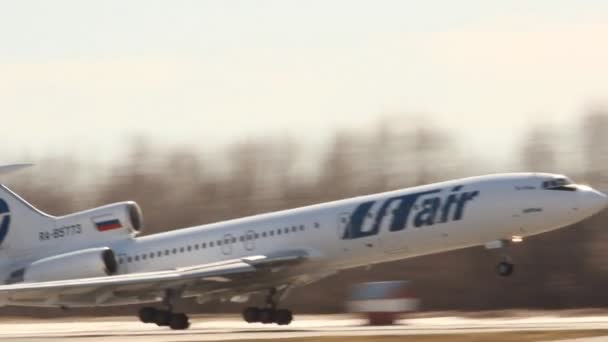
[(18, 218)]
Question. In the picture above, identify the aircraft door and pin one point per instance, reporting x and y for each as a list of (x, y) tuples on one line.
[(352, 249), (123, 256), (249, 240), (227, 244), (343, 225), (392, 242)]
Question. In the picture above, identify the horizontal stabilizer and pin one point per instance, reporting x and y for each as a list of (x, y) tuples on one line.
[(5, 169)]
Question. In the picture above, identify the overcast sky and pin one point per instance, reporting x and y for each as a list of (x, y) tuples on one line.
[(84, 76)]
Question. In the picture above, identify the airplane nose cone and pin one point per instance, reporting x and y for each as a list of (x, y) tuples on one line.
[(594, 201)]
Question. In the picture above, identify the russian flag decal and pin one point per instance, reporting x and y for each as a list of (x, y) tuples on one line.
[(107, 223)]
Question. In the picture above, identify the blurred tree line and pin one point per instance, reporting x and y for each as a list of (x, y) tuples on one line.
[(179, 188)]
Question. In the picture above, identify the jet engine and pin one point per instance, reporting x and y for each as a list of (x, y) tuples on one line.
[(86, 263), (105, 224), (123, 217)]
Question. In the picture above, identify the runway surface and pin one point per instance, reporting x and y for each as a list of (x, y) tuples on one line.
[(207, 328)]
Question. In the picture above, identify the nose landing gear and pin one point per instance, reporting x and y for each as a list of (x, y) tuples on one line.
[(505, 268)]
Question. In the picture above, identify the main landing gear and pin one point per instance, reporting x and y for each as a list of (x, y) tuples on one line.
[(165, 317), (268, 314), (176, 321)]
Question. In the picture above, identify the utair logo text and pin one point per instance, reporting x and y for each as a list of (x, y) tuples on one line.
[(418, 209), (5, 220)]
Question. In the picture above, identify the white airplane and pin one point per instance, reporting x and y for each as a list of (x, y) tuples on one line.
[(94, 258)]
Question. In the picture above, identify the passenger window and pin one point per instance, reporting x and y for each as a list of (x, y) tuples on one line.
[(204, 245), (271, 233), (233, 240), (120, 261), (286, 230), (263, 234), (211, 244), (256, 235), (242, 238), (137, 258), (189, 248), (219, 242), (181, 250), (174, 250), (144, 257), (294, 229), (317, 225), (302, 227), (159, 254), (278, 232), (129, 259), (196, 246)]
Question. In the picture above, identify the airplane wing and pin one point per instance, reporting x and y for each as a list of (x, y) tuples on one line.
[(227, 275)]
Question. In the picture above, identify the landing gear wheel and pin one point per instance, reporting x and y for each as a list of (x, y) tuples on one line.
[(283, 317), (147, 315), (251, 315), (162, 318), (266, 316), (179, 321), (505, 269)]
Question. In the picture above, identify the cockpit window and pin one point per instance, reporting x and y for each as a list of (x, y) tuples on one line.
[(563, 184)]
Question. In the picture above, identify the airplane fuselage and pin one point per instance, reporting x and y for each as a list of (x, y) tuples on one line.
[(375, 228)]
